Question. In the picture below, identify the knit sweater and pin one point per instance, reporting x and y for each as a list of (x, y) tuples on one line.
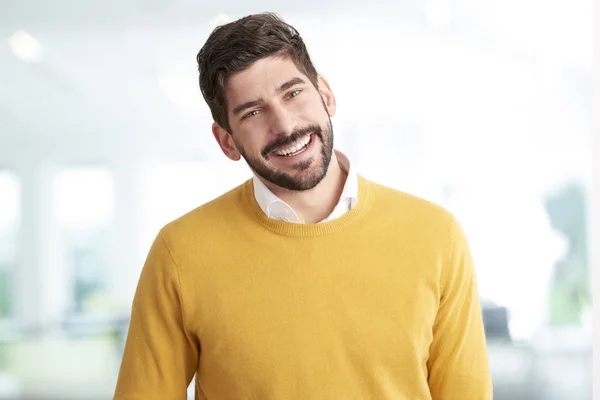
[(380, 303)]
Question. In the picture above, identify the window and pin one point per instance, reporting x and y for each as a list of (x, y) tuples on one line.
[(10, 204), (529, 251), (83, 200)]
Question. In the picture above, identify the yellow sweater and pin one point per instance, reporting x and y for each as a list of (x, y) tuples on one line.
[(381, 303)]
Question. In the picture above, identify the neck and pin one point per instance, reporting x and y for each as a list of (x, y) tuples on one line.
[(316, 204)]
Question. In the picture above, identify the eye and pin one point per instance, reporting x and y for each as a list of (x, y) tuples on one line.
[(251, 114), (294, 93)]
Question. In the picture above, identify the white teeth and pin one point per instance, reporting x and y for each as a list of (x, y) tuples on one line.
[(297, 147)]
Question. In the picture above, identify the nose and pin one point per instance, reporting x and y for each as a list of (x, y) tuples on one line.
[(282, 121)]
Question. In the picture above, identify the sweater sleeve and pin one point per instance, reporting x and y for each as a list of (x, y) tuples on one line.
[(160, 358), (458, 364)]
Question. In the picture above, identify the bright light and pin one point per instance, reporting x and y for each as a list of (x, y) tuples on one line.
[(25, 47), (438, 13), (84, 197), (180, 85)]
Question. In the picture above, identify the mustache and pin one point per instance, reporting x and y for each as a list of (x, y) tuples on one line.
[(283, 141)]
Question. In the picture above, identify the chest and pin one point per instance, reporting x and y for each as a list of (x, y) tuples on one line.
[(311, 312)]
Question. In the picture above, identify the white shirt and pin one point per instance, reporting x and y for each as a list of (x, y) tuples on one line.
[(274, 207)]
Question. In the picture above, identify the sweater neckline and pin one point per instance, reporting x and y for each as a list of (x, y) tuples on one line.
[(306, 230)]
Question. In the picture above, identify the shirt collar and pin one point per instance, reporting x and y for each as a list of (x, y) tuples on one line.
[(274, 207)]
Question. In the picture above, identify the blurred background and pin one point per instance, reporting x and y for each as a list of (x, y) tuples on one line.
[(481, 106)]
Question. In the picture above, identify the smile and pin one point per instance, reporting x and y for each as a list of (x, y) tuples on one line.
[(296, 148)]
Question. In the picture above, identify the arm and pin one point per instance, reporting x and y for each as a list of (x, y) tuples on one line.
[(458, 364), (160, 357)]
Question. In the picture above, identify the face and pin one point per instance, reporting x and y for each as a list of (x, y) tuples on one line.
[(280, 124)]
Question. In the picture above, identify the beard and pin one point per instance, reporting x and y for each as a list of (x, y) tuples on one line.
[(309, 173)]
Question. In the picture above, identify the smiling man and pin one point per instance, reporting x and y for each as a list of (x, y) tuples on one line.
[(307, 281)]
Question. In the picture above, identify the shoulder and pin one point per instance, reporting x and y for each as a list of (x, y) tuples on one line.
[(424, 224), (208, 220), (407, 206)]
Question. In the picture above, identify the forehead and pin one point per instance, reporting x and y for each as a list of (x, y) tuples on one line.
[(260, 79)]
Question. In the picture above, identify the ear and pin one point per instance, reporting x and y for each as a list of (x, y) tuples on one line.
[(226, 142), (327, 95)]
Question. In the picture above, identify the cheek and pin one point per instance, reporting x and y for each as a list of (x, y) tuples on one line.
[(311, 111), (319, 108), (253, 142)]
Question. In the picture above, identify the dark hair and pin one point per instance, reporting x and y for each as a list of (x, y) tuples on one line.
[(235, 46)]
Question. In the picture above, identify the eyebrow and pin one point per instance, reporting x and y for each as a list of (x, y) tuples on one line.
[(292, 82), (249, 104), (244, 106)]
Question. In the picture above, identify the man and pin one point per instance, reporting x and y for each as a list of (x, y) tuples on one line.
[(307, 281)]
